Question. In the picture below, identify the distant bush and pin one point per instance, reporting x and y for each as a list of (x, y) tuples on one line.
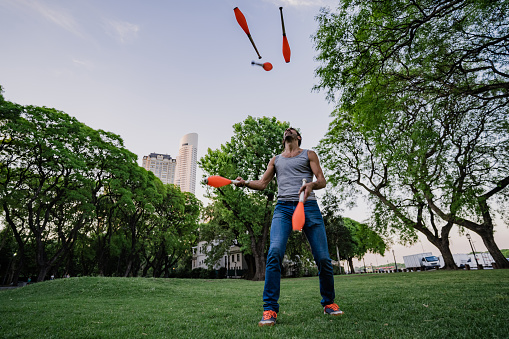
[(337, 270), (221, 274), (311, 271)]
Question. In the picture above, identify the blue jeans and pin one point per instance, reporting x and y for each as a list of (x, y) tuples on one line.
[(314, 229)]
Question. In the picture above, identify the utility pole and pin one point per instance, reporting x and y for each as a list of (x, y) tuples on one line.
[(339, 263), (395, 260)]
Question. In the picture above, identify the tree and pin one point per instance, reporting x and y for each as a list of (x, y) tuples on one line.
[(74, 199), (177, 224), (45, 185), (421, 91), (53, 176), (248, 213), (135, 209), (425, 46), (347, 237)]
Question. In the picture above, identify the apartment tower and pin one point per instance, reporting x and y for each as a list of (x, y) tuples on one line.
[(185, 175), (162, 165)]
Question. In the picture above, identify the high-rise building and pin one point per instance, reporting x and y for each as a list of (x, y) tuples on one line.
[(162, 165), (185, 175)]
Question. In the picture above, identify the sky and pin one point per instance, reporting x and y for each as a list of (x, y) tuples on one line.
[(153, 71)]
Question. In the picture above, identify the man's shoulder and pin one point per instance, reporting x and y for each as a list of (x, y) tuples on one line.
[(274, 159), (312, 154)]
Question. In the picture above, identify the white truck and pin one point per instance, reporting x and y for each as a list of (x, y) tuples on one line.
[(485, 260), (460, 259), (421, 261)]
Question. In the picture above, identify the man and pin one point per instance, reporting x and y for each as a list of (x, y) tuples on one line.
[(290, 167)]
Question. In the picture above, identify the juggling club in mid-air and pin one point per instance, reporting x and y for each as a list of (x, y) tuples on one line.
[(241, 19), (286, 46), (266, 65)]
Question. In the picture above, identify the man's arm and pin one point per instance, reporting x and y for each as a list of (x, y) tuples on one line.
[(264, 181), (320, 182)]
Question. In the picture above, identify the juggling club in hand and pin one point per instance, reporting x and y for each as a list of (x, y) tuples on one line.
[(298, 217), (219, 181)]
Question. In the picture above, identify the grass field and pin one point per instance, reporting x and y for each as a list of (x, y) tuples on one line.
[(440, 304)]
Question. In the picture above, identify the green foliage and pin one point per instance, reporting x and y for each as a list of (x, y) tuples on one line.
[(422, 110), (238, 215), (54, 173), (174, 232), (413, 47), (349, 238), (75, 201)]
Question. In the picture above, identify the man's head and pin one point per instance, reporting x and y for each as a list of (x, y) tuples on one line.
[(291, 134)]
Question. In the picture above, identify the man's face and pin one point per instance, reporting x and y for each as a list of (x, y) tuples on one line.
[(289, 131), (290, 134)]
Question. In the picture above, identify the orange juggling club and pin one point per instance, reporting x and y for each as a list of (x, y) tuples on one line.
[(266, 66), (219, 181), (286, 47), (241, 19), (298, 217)]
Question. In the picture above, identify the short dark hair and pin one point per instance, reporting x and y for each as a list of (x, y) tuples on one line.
[(300, 140)]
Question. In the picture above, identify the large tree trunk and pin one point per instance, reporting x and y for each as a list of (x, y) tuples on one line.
[(259, 258), (258, 245), (128, 268), (103, 251), (251, 266), (130, 256), (443, 246), (489, 241), (486, 232), (441, 242), (350, 264), (43, 271), (21, 246)]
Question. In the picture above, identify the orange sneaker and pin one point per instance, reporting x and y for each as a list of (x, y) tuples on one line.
[(332, 309), (268, 318)]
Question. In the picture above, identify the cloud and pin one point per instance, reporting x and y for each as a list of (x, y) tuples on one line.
[(55, 15), (87, 64), (122, 31)]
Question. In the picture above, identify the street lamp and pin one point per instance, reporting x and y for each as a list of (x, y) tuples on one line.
[(472, 246)]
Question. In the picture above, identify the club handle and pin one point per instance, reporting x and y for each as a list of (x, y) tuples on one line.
[(236, 182), (256, 49), (301, 196), (282, 21)]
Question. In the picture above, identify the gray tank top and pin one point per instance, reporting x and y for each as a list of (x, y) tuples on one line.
[(289, 173)]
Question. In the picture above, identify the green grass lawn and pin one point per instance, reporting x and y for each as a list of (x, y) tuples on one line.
[(463, 304)]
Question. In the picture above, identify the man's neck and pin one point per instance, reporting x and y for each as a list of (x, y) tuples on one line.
[(292, 147)]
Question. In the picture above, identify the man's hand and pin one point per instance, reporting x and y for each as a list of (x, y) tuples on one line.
[(241, 182), (307, 189)]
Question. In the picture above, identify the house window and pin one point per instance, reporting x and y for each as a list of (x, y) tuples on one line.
[(233, 257), (238, 256)]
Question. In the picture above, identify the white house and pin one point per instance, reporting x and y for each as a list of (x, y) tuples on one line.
[(233, 260)]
